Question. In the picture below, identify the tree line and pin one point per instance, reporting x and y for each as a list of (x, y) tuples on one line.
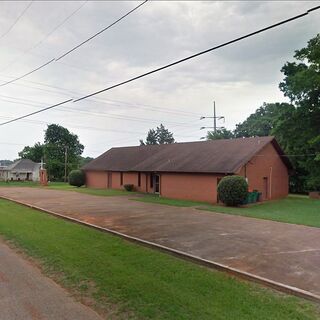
[(295, 125)]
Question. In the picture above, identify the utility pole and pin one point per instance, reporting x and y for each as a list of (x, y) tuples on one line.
[(215, 118), (65, 163)]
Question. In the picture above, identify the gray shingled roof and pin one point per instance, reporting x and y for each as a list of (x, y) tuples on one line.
[(215, 156), (23, 165)]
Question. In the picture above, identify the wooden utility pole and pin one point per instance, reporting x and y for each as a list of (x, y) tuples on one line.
[(65, 163)]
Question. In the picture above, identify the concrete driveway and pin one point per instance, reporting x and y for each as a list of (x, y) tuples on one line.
[(26, 294), (285, 253)]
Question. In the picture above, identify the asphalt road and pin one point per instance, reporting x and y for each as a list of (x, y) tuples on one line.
[(26, 294)]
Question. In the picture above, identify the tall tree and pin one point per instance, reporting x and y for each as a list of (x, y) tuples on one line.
[(151, 138), (262, 122), (220, 134), (61, 145), (160, 135), (84, 160), (34, 153), (300, 133), (164, 135)]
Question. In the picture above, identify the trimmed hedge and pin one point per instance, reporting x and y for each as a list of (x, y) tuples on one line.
[(129, 187), (77, 178), (233, 190)]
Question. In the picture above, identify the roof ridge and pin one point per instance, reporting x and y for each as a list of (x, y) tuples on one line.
[(196, 141), (218, 156)]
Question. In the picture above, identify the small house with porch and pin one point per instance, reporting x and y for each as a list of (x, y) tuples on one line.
[(21, 170)]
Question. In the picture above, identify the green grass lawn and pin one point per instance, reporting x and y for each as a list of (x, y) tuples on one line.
[(67, 187), (294, 209), (18, 184), (138, 282)]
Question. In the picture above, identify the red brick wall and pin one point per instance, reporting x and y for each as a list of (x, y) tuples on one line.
[(268, 164), (203, 187), (130, 178), (197, 187), (97, 179), (116, 181)]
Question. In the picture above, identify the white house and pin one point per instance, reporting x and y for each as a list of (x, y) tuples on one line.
[(21, 170)]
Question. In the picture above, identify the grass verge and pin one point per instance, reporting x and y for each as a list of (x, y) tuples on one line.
[(66, 187), (137, 281), (295, 209)]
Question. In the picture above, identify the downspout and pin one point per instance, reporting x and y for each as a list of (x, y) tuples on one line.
[(147, 180), (245, 173), (270, 183)]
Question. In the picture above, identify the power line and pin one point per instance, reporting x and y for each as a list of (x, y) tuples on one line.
[(26, 74), (101, 31), (176, 62), (35, 112), (12, 144), (71, 125), (17, 20), (76, 47), (38, 104), (108, 101), (199, 54), (47, 35), (60, 24), (127, 118)]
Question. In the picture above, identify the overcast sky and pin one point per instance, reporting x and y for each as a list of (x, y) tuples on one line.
[(239, 77)]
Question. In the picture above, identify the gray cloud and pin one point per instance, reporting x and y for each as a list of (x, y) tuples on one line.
[(239, 77)]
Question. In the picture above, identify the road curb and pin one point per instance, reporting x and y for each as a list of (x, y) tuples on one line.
[(186, 256)]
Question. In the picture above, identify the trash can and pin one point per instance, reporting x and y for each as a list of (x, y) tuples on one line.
[(255, 195), (246, 200), (250, 197), (259, 196)]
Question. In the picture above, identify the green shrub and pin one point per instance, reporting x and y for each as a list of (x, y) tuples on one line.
[(129, 187), (233, 190), (77, 178)]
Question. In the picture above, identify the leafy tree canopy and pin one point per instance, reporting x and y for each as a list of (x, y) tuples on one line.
[(299, 133), (160, 135), (84, 160), (302, 77), (58, 143), (34, 153), (220, 134), (262, 122), (296, 126)]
